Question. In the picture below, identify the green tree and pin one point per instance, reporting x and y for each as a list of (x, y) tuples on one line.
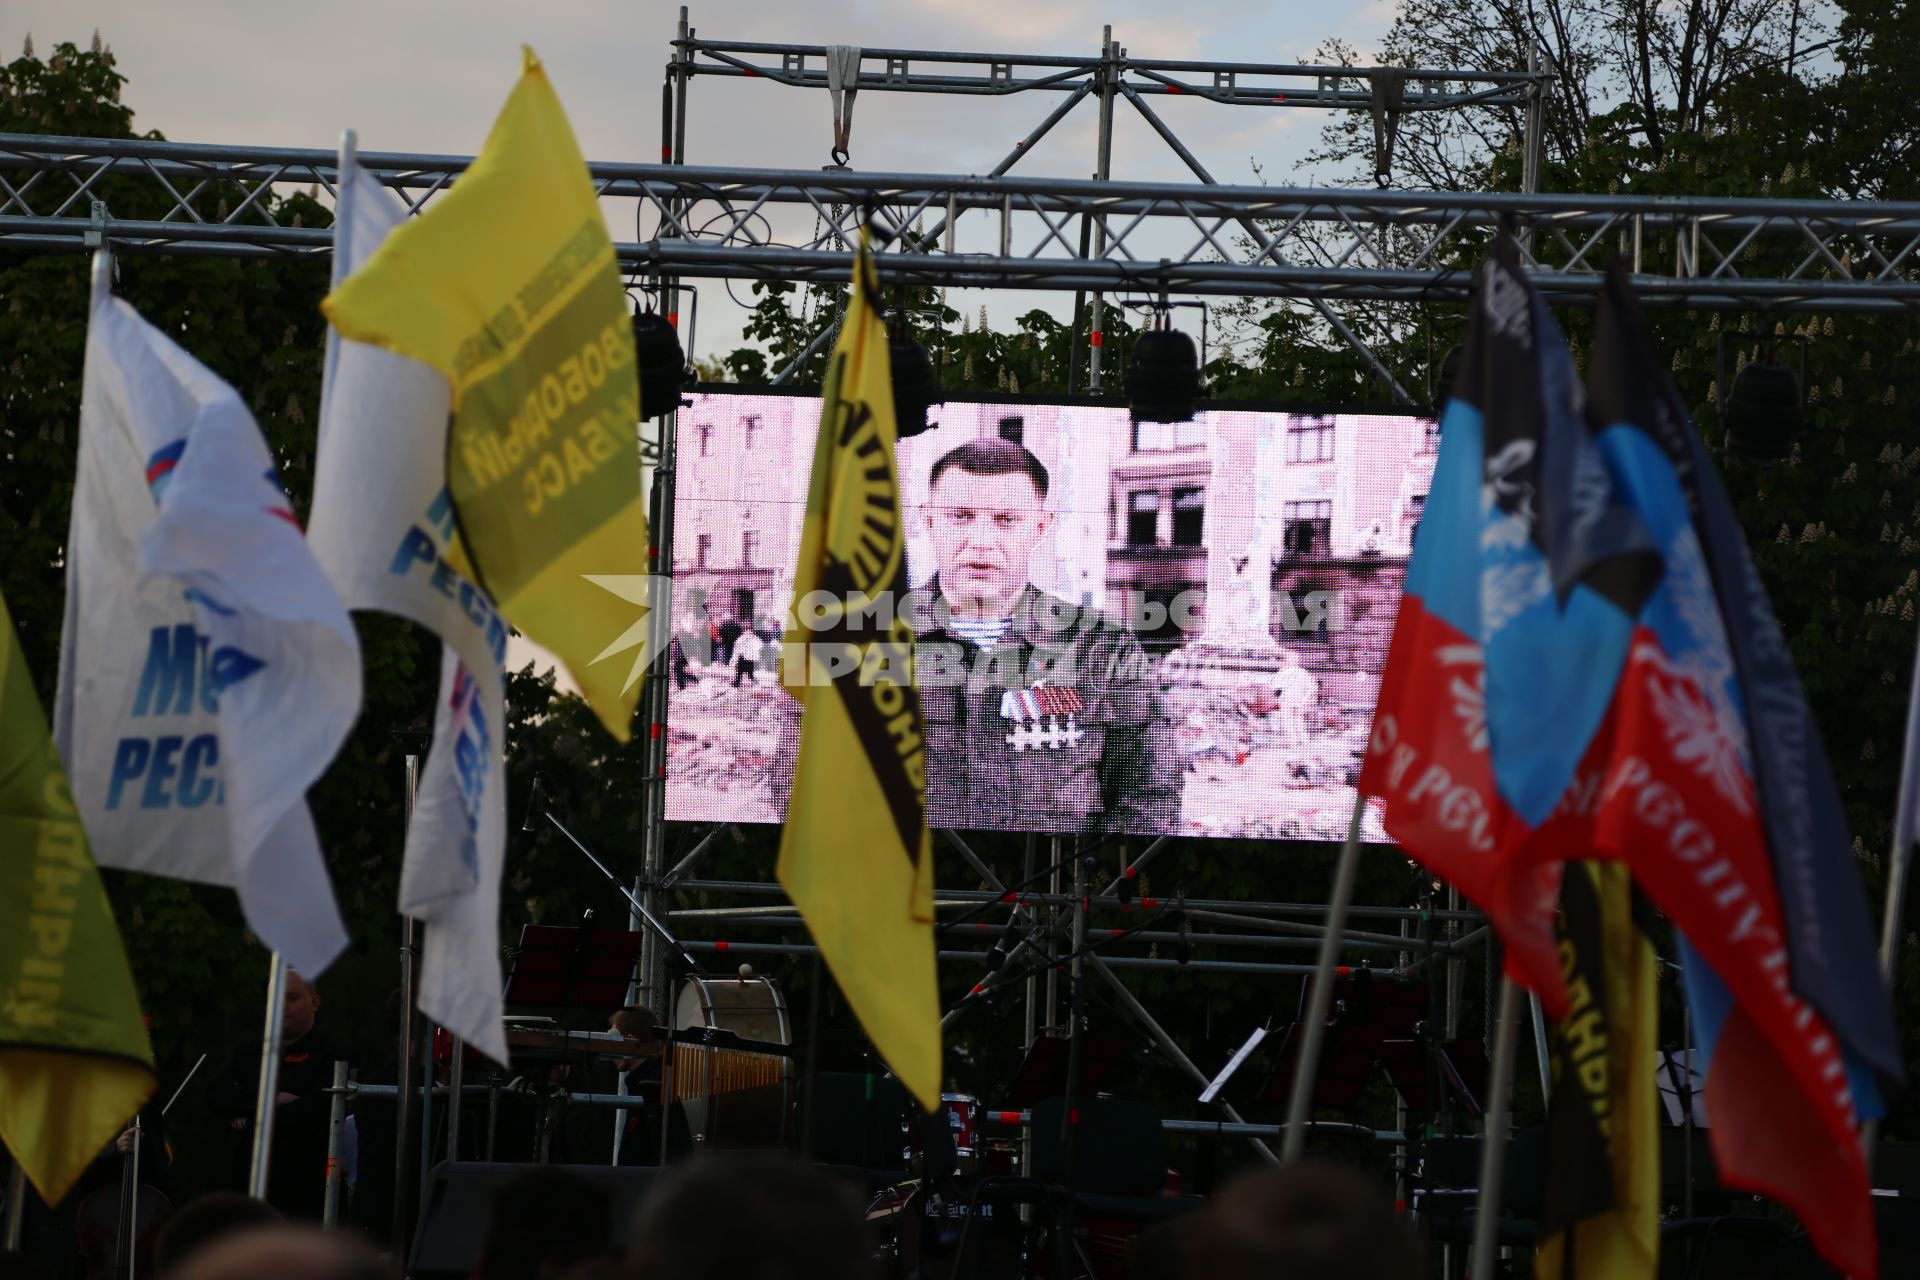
[(969, 356)]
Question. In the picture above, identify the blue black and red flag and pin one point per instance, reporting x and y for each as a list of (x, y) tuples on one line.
[(1504, 584), (1709, 780)]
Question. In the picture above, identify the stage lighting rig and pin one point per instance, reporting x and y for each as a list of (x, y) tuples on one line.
[(1163, 375), (660, 362), (916, 387), (1763, 410)]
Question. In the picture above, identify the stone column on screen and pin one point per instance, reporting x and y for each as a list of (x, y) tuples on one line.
[(1239, 559)]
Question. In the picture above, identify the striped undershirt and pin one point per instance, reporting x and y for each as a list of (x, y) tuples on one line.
[(984, 633)]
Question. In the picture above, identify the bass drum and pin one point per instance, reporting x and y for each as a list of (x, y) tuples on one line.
[(731, 1097)]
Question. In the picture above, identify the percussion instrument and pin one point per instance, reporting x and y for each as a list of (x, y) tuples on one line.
[(542, 1044), (963, 1114), (734, 1085), (919, 1235), (116, 1224)]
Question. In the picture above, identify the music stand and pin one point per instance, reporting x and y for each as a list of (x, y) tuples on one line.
[(561, 967), (1463, 1071), (1347, 1055), (1043, 1071), (1372, 1011)]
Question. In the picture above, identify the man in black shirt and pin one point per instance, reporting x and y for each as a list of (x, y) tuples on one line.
[(640, 1142), (296, 1175)]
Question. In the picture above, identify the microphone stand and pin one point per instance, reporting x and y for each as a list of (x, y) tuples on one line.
[(652, 921), (988, 990)]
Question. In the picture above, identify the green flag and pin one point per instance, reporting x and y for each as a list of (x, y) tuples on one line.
[(75, 1063)]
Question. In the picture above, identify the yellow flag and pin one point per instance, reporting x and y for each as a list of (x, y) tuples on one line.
[(855, 855), (1600, 1207), (75, 1063), (508, 285)]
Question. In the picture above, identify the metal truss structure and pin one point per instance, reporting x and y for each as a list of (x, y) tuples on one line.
[(1378, 246), (1239, 84)]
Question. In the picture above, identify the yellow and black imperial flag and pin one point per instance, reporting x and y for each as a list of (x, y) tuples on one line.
[(855, 855), (1599, 1214)]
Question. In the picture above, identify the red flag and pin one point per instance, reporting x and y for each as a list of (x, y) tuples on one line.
[(1427, 758)]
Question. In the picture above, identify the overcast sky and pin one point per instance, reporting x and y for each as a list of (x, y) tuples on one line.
[(409, 75)]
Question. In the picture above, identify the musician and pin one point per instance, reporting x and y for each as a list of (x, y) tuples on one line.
[(296, 1178), (90, 1215), (640, 1144)]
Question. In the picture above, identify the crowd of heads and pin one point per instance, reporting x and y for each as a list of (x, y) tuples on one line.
[(761, 1216)]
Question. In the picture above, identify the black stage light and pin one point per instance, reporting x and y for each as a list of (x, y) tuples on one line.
[(916, 387), (1763, 410), (1163, 377), (660, 362)]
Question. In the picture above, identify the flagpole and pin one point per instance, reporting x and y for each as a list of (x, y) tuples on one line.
[(16, 1205), (1540, 1047), (264, 1100), (1493, 1153), (1899, 861), (1306, 1068)]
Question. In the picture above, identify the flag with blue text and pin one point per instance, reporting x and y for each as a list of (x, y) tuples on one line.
[(383, 526), (208, 672)]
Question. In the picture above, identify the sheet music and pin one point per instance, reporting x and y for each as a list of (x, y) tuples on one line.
[(1233, 1064)]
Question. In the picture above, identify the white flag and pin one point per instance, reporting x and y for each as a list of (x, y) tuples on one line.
[(208, 672), (381, 525)]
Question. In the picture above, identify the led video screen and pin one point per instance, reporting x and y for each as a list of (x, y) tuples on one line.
[(1138, 628)]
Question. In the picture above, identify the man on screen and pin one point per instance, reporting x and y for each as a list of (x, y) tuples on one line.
[(1039, 715)]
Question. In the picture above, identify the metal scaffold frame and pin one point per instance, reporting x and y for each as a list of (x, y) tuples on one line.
[(1323, 246), (1853, 255)]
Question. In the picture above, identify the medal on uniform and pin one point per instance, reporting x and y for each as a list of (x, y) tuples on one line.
[(1041, 717)]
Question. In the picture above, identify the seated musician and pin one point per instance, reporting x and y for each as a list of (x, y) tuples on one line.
[(640, 1144)]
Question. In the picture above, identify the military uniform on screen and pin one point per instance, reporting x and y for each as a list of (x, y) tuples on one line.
[(1057, 726)]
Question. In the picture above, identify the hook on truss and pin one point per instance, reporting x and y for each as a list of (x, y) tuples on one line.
[(843, 82)]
